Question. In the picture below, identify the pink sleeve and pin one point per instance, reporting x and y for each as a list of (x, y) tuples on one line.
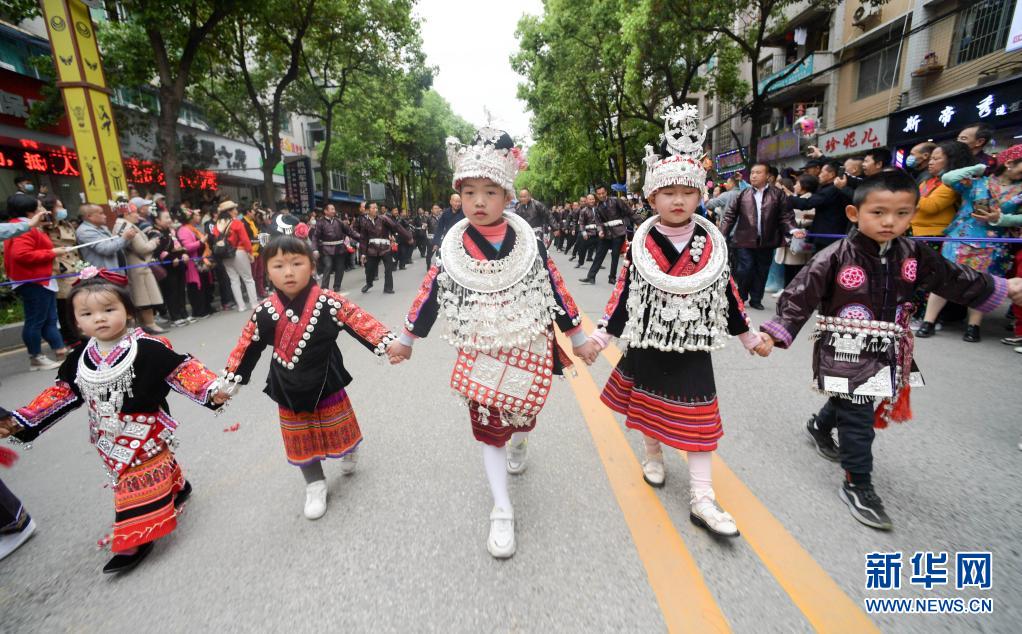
[(601, 338), (749, 339)]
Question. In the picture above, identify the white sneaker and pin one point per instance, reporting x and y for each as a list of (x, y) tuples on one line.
[(653, 470), (705, 512), (1018, 349), (42, 362), (180, 322), (348, 462), (501, 542), (242, 309), (10, 543), (516, 455), (315, 499)]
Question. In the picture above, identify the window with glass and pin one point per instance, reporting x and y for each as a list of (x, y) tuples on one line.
[(879, 71), (982, 29)]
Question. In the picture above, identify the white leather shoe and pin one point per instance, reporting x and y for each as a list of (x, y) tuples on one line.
[(348, 462), (653, 470), (516, 456), (707, 513), (501, 542), (315, 499)]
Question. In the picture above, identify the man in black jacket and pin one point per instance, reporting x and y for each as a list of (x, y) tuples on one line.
[(829, 203), (536, 214), (447, 220), (612, 218)]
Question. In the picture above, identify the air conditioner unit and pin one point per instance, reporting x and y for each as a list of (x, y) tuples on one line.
[(866, 13)]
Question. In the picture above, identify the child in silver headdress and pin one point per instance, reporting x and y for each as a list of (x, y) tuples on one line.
[(673, 304), (501, 294)]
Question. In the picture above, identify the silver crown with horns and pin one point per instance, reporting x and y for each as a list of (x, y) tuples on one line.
[(683, 136), (483, 159)]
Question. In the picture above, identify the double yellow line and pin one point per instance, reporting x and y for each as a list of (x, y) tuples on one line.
[(685, 600)]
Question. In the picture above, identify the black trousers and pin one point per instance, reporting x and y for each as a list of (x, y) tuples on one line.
[(752, 267), (855, 433), (173, 288), (68, 329), (585, 248), (332, 263), (224, 282), (607, 244), (12, 514), (197, 297), (373, 267)]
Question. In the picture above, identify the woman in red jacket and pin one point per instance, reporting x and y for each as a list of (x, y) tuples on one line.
[(27, 257)]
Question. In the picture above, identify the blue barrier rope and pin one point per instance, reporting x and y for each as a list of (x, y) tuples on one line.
[(838, 236), (78, 273)]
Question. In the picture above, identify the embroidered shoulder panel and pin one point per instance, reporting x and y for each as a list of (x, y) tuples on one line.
[(54, 402)]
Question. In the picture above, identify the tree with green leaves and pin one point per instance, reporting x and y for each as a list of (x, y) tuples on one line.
[(166, 42)]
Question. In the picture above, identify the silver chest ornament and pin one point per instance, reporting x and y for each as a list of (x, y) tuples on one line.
[(106, 387)]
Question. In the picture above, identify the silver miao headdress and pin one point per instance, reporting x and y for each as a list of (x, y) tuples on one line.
[(491, 156), (683, 136)]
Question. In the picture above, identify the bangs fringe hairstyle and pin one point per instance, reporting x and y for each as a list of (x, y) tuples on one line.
[(286, 244), (99, 285)]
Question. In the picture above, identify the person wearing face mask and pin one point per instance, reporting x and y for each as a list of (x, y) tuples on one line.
[(62, 234), (918, 161), (28, 260)]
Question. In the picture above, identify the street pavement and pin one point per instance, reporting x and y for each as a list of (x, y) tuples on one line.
[(402, 546)]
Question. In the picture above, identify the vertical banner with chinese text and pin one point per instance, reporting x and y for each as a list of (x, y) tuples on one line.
[(86, 98)]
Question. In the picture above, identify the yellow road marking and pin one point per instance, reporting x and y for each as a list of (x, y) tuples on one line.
[(685, 601), (812, 590)]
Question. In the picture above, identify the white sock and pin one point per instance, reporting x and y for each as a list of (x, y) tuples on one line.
[(495, 462), (519, 437), (652, 447), (700, 477)]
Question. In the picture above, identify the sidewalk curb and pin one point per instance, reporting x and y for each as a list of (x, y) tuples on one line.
[(10, 336)]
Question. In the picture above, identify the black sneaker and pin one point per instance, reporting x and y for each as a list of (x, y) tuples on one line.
[(587, 280), (757, 305), (865, 505), (926, 330), (124, 563), (824, 441), (971, 334), (365, 289), (183, 494)]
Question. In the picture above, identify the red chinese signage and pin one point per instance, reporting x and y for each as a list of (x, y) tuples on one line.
[(141, 172), (860, 138), (29, 156)]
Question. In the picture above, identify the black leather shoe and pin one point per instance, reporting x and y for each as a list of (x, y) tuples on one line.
[(925, 330), (388, 291), (365, 289), (587, 280), (611, 280), (971, 334), (124, 563), (757, 305)]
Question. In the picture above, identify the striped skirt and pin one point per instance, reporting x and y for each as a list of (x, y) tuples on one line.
[(144, 502), (329, 432), (669, 396), (489, 427)]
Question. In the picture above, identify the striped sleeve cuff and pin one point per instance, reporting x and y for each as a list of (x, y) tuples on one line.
[(996, 298), (777, 331)]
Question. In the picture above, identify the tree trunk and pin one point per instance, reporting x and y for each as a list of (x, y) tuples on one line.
[(269, 191), (166, 135)]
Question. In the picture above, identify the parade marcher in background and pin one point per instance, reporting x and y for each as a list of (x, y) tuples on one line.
[(588, 231), (863, 351), (404, 249), (448, 218), (569, 227), (376, 245), (673, 304), (505, 333), (62, 234), (328, 246), (537, 215), (29, 259), (432, 225), (145, 291), (123, 376), (760, 218), (307, 377), (420, 223), (612, 217)]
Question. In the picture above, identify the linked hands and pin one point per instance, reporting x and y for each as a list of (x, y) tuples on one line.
[(398, 352)]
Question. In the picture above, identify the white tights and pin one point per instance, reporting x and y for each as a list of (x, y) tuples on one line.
[(495, 462), (700, 476)]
